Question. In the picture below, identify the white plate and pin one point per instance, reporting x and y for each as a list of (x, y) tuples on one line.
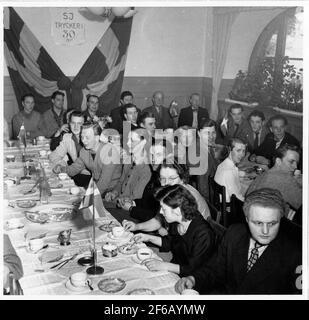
[(111, 285), (82, 289), (124, 236)]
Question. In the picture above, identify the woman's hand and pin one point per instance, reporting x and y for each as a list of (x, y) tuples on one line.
[(111, 196), (129, 225), (184, 283), (142, 237), (156, 265)]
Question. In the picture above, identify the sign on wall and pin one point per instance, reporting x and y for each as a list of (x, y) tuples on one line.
[(67, 27)]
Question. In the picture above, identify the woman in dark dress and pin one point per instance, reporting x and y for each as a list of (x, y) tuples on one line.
[(190, 238)]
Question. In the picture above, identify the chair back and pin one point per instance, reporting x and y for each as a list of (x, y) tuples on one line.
[(219, 231), (237, 214), (217, 196), (214, 212)]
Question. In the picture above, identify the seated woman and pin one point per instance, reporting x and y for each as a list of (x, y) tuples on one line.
[(190, 239), (11, 263), (170, 174)]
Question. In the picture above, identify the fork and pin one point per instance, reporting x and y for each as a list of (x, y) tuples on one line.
[(63, 263)]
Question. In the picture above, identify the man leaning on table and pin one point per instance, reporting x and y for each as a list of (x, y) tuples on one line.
[(257, 258), (101, 159), (69, 148)]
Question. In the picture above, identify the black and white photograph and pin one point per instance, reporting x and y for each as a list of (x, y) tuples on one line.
[(154, 149)]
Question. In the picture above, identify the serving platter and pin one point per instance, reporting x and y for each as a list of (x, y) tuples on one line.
[(111, 285)]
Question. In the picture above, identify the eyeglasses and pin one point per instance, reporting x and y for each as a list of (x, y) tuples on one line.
[(170, 179)]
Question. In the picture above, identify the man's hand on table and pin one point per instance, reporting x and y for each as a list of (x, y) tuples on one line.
[(58, 168), (156, 265), (184, 283)]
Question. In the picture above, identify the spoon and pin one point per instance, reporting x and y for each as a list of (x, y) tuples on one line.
[(89, 285), (45, 247)]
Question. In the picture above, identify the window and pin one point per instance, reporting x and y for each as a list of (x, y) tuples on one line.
[(280, 46)]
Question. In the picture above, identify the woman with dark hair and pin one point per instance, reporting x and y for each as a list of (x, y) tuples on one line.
[(169, 174), (191, 239)]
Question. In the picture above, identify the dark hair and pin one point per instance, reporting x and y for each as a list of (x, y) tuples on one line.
[(236, 106), (278, 117), (27, 95), (177, 196), (128, 106), (91, 96), (281, 151), (266, 198), (207, 123), (76, 113), (126, 93), (57, 93), (144, 115), (181, 169), (232, 142), (256, 113), (95, 126)]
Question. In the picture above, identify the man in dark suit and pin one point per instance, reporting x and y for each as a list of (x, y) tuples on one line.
[(162, 115), (278, 137), (254, 134), (192, 116), (257, 258), (130, 114), (233, 123)]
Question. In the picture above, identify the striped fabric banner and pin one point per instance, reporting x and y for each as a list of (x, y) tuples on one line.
[(32, 70)]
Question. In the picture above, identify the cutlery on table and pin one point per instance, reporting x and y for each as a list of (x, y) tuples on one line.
[(89, 285), (45, 247), (62, 263)]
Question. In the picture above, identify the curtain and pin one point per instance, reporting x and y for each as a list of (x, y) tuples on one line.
[(222, 25), (32, 70)]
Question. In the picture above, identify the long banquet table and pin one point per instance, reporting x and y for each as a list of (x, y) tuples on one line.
[(39, 279)]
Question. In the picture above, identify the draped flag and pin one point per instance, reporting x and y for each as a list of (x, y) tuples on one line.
[(32, 70), (93, 201)]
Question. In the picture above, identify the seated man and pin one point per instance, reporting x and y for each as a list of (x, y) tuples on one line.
[(234, 123), (29, 117), (254, 134), (69, 148), (207, 135), (193, 115), (281, 176), (92, 108), (11, 263), (227, 171), (275, 139), (161, 113), (101, 159), (130, 114), (258, 258), (135, 175)]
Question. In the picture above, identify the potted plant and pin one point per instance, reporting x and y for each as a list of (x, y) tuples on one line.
[(281, 89)]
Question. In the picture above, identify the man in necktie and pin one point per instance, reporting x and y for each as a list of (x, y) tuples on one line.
[(257, 258)]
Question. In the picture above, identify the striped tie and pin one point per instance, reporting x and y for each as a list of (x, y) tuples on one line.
[(254, 256)]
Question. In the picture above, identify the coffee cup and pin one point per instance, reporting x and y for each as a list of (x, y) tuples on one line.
[(144, 254), (74, 190), (78, 279), (62, 176), (36, 244), (118, 231), (10, 158), (189, 292)]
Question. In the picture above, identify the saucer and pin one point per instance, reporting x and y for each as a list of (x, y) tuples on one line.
[(138, 261), (125, 235), (81, 289), (26, 204), (141, 291)]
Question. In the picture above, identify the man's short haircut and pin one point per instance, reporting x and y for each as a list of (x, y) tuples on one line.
[(95, 126), (207, 123), (91, 96), (156, 92), (278, 117), (256, 113), (27, 95), (125, 94), (128, 106), (282, 151), (266, 198), (144, 115), (57, 93), (236, 106), (232, 142), (76, 113)]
